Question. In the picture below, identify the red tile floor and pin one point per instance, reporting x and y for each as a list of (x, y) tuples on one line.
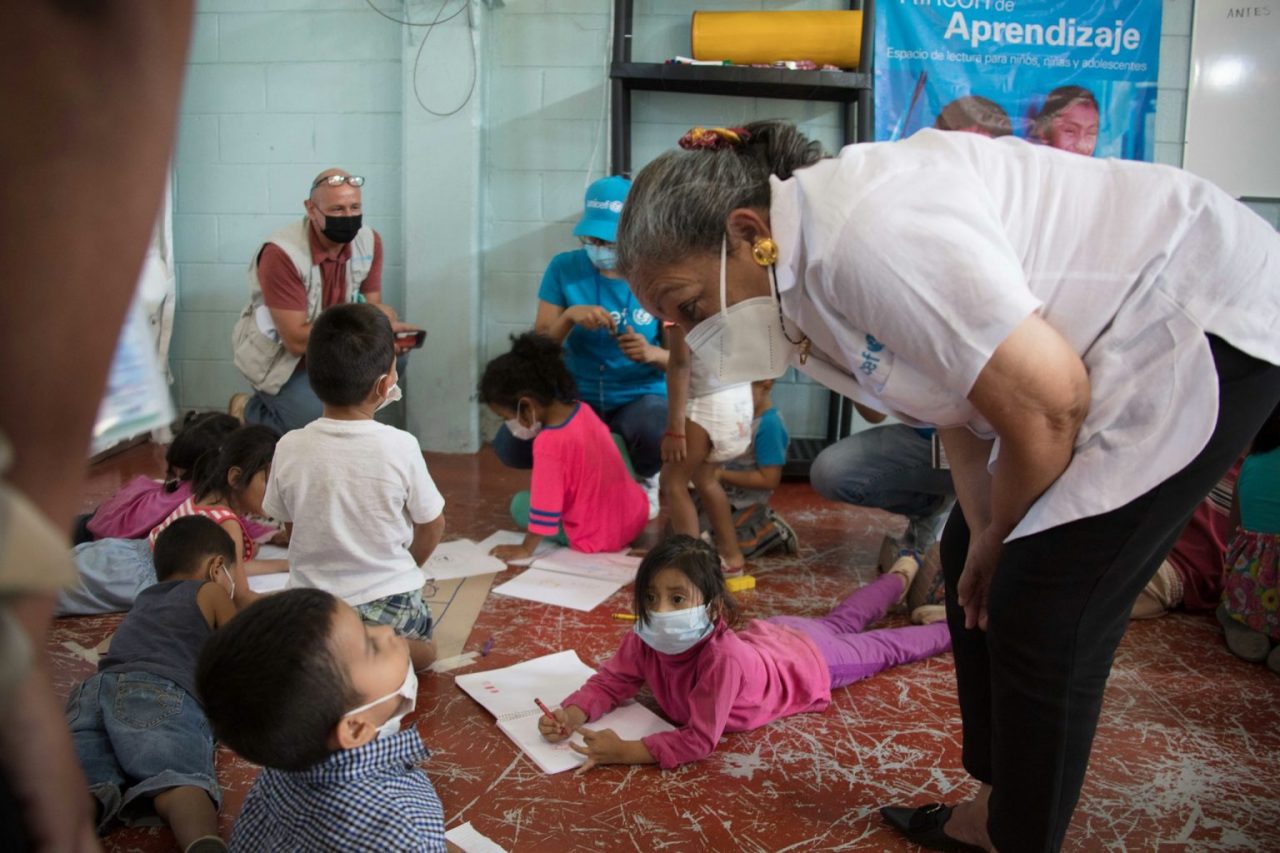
[(1187, 755)]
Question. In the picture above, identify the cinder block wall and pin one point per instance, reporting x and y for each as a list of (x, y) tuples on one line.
[(276, 91), (279, 89)]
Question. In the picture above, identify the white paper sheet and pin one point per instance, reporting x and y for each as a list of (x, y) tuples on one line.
[(469, 840), (508, 694), (512, 689), (614, 567), (461, 558), (572, 591), (271, 552), (273, 582)]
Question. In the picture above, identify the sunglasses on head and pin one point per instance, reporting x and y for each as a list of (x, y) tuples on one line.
[(339, 180)]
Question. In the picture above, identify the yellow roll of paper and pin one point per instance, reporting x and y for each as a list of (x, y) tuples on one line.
[(833, 38)]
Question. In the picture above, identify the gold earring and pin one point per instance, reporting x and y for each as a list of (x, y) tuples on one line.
[(764, 252)]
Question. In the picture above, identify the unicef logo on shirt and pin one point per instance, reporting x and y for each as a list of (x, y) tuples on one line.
[(641, 317)]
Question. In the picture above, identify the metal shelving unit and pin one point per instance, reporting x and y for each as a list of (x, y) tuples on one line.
[(851, 89)]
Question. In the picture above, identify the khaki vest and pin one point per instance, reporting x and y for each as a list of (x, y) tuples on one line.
[(265, 362)]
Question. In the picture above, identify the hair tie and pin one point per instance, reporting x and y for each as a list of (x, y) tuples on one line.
[(714, 138)]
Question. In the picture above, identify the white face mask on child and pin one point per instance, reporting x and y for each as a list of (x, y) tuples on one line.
[(519, 430), (230, 592), (394, 394), (407, 691), (675, 631)]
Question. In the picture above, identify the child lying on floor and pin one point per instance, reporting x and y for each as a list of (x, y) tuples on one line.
[(137, 726), (228, 484), (710, 679)]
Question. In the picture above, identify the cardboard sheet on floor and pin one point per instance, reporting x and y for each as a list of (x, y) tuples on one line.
[(455, 603)]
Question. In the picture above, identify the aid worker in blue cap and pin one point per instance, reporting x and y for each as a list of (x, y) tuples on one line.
[(612, 345)]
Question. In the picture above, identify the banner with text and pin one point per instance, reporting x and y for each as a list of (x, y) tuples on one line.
[(1076, 74)]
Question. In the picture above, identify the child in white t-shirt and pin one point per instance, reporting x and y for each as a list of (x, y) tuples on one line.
[(362, 510)]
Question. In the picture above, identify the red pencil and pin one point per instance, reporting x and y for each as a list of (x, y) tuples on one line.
[(550, 716)]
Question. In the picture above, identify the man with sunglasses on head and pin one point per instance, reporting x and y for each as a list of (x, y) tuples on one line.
[(328, 258)]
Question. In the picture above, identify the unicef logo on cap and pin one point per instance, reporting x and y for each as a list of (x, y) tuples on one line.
[(615, 206)]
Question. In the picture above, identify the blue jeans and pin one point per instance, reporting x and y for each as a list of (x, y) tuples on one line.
[(890, 468), (295, 405), (641, 424), (137, 735)]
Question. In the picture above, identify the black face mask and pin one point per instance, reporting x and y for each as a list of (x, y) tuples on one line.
[(342, 229)]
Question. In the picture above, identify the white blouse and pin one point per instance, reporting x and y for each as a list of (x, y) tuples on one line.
[(907, 264)]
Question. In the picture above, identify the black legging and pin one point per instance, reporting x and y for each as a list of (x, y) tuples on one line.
[(1031, 685)]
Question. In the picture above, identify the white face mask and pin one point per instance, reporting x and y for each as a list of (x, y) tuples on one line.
[(519, 430), (744, 342), (675, 631), (394, 394), (408, 693), (231, 592)]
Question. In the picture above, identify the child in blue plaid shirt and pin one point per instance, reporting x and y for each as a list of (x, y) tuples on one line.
[(300, 684)]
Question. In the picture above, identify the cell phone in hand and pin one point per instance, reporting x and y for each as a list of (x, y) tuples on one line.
[(416, 338)]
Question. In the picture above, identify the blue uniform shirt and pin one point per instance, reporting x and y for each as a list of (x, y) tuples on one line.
[(606, 378)]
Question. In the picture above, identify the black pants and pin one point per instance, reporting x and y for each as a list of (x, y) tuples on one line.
[(1031, 685)]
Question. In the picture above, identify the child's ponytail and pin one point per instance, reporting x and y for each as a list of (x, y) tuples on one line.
[(533, 368)]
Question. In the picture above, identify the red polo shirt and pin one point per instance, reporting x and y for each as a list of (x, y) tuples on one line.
[(283, 289)]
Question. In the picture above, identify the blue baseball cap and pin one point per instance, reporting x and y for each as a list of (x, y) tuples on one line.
[(603, 209)]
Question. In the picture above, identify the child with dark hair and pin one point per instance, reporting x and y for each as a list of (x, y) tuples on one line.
[(582, 493), (1250, 609), (137, 725), (709, 678), (144, 502), (302, 685), (227, 483), (360, 507)]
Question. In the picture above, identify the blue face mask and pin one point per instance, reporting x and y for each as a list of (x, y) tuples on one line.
[(675, 631), (602, 257)]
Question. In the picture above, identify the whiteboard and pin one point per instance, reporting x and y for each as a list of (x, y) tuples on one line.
[(1233, 106)]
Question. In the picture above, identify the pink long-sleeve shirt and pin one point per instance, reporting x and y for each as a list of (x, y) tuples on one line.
[(729, 682)]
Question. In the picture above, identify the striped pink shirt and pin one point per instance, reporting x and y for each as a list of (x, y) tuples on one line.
[(215, 513)]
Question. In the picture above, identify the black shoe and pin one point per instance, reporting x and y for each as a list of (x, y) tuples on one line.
[(924, 825)]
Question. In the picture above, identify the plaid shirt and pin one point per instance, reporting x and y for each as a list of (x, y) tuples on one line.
[(371, 798)]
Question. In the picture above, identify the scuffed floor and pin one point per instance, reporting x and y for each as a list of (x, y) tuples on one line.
[(1187, 755)]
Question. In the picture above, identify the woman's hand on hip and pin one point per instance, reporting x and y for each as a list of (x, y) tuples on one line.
[(979, 572)]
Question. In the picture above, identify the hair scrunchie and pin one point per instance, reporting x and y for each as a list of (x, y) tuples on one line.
[(714, 138)]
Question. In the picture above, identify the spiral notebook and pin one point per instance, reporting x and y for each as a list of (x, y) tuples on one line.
[(508, 694)]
